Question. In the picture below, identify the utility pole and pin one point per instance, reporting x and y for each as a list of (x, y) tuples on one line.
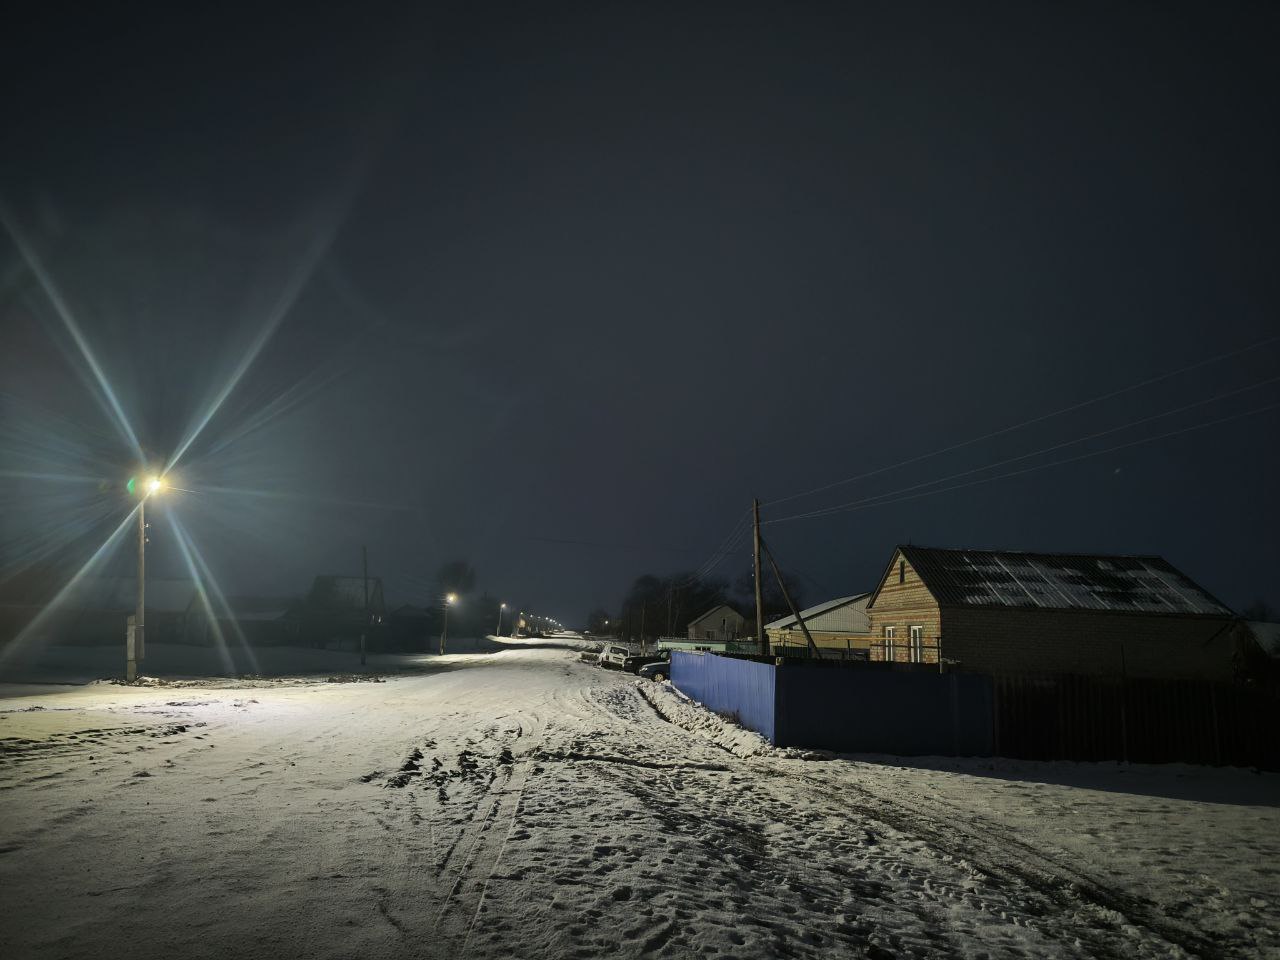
[(808, 637), (497, 631), (364, 558), (761, 642), (643, 610), (135, 652)]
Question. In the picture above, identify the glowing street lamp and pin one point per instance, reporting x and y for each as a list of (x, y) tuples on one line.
[(136, 646), (449, 600), (497, 631)]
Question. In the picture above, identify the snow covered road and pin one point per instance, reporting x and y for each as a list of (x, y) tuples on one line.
[(524, 804)]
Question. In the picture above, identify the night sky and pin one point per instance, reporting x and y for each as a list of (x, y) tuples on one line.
[(602, 273)]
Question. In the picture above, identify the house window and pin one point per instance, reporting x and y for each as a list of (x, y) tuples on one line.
[(889, 634), (710, 634), (902, 571), (917, 644)]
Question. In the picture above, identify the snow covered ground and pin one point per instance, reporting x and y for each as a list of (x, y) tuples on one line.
[(523, 804)]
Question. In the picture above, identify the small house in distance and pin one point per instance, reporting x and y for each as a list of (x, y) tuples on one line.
[(720, 624), (1023, 613), (840, 624)]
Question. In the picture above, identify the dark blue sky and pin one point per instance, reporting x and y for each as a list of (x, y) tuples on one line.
[(603, 272)]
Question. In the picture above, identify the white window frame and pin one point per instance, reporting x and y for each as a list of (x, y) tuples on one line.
[(890, 634), (917, 643)]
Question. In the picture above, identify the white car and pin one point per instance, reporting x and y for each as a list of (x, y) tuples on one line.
[(612, 656)]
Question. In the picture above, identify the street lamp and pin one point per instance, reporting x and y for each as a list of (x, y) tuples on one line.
[(135, 649), (449, 599), (497, 631)]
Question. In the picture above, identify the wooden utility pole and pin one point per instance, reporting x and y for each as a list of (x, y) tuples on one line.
[(368, 619), (808, 638), (762, 645)]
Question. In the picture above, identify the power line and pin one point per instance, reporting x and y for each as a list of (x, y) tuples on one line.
[(878, 502), (1049, 449), (1026, 423)]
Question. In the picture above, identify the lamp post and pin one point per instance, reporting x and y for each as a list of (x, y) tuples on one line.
[(497, 631), (449, 598), (135, 646)]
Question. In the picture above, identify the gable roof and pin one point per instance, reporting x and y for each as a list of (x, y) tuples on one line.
[(1267, 635), (348, 592), (1059, 581), (120, 594), (853, 622), (716, 609)]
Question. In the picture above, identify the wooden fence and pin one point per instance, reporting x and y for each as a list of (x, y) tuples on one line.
[(1136, 719)]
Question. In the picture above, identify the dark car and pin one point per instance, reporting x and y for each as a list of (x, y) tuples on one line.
[(657, 670), (634, 662)]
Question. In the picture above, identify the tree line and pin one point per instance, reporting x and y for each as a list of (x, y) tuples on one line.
[(663, 606)]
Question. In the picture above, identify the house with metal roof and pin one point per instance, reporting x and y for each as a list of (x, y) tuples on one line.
[(1020, 613), (840, 624), (720, 624)]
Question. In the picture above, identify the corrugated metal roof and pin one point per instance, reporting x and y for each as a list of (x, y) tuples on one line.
[(843, 615), (1059, 581)]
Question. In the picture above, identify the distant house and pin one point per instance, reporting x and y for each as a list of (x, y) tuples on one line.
[(720, 624), (336, 609), (261, 621), (96, 609), (1020, 613), (842, 623), (1260, 652)]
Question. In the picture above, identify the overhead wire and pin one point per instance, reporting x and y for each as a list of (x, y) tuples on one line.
[(1043, 450), (880, 502), (1026, 423)]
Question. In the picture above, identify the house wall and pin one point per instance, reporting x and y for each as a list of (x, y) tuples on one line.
[(1011, 641), (902, 605), (721, 632), (842, 641)]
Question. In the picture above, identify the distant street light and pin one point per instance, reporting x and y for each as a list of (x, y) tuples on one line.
[(497, 631), (449, 599), (135, 652)]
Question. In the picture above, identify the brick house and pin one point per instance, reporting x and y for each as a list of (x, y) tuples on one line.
[(1019, 613)]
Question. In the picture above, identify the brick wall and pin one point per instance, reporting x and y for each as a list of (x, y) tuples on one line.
[(902, 605), (995, 640)]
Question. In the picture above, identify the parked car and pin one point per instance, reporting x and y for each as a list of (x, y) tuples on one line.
[(591, 654), (658, 670), (636, 660), (613, 656)]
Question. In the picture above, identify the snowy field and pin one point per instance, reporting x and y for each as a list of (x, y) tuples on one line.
[(522, 804)]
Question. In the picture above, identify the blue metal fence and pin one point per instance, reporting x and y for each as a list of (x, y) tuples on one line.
[(741, 689)]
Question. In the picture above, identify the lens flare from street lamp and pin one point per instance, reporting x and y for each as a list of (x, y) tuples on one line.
[(451, 598)]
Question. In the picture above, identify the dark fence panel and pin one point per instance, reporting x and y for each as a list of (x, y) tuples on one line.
[(913, 710), (884, 711), (736, 687), (1137, 719)]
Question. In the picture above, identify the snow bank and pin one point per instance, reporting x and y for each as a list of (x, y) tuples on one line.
[(675, 707)]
